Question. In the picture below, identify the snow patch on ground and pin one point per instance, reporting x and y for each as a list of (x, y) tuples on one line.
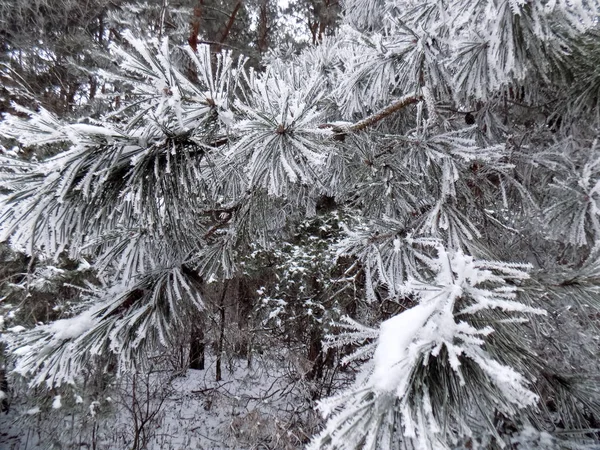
[(268, 403)]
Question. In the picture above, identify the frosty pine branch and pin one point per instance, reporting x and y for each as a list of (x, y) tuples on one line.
[(209, 161), (383, 113)]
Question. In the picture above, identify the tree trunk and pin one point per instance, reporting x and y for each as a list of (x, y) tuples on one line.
[(195, 26), (101, 29), (218, 375), (4, 407), (197, 345), (93, 87), (229, 24), (250, 342), (263, 27), (315, 354)]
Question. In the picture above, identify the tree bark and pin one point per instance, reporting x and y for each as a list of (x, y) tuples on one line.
[(229, 24), (195, 26), (315, 354), (263, 27), (218, 372), (4, 406), (197, 345)]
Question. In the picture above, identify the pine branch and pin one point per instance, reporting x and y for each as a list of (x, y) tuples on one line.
[(383, 113), (341, 132)]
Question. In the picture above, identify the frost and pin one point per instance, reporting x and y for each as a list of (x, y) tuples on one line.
[(93, 130), (416, 337), (93, 408), (430, 127)]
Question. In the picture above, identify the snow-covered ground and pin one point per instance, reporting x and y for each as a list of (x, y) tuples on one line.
[(267, 406), (247, 408)]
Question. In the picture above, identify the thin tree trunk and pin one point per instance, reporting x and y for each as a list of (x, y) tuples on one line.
[(136, 428), (4, 388), (250, 342), (197, 345), (229, 25), (218, 375), (315, 354), (93, 87), (263, 26), (195, 26)]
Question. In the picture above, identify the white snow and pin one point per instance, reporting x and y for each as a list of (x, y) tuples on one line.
[(73, 327), (56, 403), (92, 129), (392, 354)]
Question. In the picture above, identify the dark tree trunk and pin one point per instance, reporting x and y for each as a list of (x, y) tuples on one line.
[(218, 372), (263, 27), (4, 388), (197, 345), (315, 354), (93, 87), (229, 24), (101, 29), (195, 26)]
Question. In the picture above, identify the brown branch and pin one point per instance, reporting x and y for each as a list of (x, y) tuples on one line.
[(383, 113), (340, 132), (219, 142), (221, 223)]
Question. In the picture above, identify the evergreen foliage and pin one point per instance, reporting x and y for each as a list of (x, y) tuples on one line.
[(457, 142)]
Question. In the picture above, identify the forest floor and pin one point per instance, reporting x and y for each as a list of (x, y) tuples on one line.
[(266, 406)]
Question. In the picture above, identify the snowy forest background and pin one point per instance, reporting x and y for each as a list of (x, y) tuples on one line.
[(250, 225)]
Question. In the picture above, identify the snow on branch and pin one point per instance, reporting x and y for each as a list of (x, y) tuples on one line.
[(434, 362), (128, 320)]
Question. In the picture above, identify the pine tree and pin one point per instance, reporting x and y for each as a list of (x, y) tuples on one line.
[(459, 135)]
